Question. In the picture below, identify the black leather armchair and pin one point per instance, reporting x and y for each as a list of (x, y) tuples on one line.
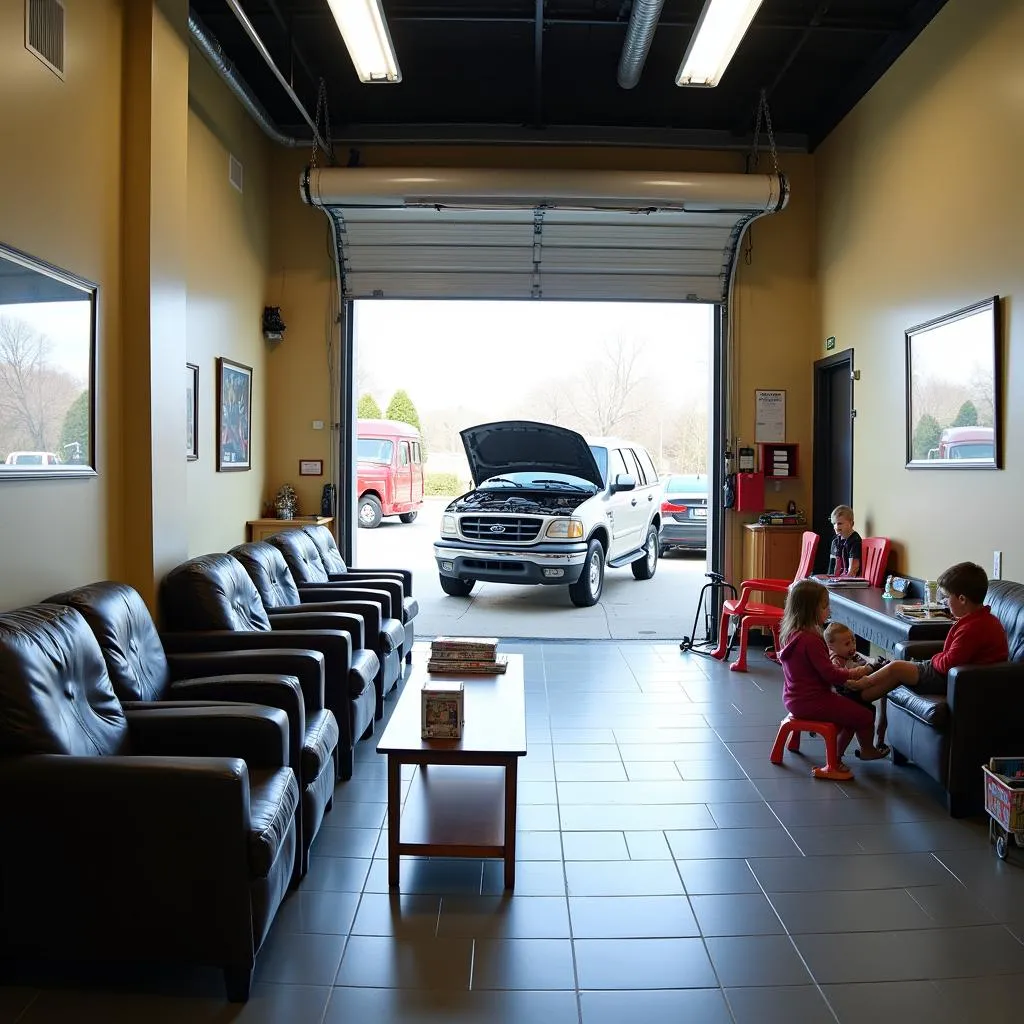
[(978, 714), (158, 834), (210, 604), (314, 561), (141, 671), (269, 572)]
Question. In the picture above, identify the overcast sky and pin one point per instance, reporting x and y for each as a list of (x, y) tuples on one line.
[(437, 349)]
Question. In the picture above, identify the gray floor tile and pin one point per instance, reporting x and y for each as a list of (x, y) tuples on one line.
[(703, 1005), (743, 815), (538, 845), (833, 874), (402, 915), (735, 914), (995, 1000), (593, 771), (951, 906), (742, 960), (533, 878), (724, 768), (648, 846), (295, 958), (317, 912), (502, 917), (902, 1000), (337, 874), (430, 1006), (623, 878), (621, 818), (422, 875), (800, 1004), (643, 964), (631, 917), (528, 964), (345, 842), (594, 846), (712, 877), (732, 842), (378, 962), (871, 910)]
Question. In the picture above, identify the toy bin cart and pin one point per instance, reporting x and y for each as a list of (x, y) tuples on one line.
[(1004, 801)]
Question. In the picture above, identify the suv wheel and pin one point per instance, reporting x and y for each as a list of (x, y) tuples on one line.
[(586, 591), (643, 568), (456, 588), (408, 517), (369, 512)]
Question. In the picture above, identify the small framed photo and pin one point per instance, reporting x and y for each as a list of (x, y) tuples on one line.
[(311, 467), (191, 412), (234, 415)]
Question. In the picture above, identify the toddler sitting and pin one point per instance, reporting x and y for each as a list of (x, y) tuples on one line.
[(842, 648)]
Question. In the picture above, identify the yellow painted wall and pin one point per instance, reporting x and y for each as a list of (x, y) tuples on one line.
[(60, 200), (228, 262), (920, 211), (776, 298)]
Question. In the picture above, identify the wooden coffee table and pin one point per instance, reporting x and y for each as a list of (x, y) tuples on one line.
[(455, 806)]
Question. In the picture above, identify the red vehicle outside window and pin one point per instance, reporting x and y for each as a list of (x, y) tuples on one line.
[(389, 471)]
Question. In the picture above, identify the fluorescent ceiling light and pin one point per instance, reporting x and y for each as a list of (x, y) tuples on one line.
[(721, 26), (367, 38)]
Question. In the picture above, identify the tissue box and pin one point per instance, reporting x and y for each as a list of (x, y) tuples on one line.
[(441, 710)]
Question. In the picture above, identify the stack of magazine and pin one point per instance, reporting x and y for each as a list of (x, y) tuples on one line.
[(921, 611), (466, 655)]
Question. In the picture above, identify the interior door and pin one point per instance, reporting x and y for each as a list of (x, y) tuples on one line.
[(833, 445)]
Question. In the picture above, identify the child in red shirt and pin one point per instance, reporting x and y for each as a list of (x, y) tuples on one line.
[(810, 675), (977, 638)]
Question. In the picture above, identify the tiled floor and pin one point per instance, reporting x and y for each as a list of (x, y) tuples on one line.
[(668, 872)]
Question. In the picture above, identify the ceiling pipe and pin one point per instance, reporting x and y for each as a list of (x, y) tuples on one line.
[(643, 20), (214, 53)]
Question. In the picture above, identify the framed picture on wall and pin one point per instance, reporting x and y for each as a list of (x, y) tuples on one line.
[(191, 412), (234, 415)]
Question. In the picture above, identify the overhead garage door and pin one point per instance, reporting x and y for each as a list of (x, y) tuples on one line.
[(469, 234)]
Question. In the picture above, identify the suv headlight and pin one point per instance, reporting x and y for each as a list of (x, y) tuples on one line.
[(565, 529), (448, 527)]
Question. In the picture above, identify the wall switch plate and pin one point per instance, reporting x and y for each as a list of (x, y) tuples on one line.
[(318, 424), (997, 565)]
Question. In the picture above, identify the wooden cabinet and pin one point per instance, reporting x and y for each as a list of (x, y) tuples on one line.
[(261, 529), (771, 552)]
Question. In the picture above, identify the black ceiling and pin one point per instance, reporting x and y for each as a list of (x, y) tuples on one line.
[(470, 69)]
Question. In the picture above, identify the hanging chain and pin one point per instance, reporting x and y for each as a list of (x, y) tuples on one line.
[(322, 111), (752, 161)]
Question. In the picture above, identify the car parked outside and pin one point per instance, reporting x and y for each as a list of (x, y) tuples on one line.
[(550, 507), (29, 459), (684, 513), (389, 471)]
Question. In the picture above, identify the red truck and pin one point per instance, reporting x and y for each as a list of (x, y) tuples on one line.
[(389, 471)]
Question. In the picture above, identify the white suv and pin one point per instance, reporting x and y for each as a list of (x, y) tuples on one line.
[(550, 507)]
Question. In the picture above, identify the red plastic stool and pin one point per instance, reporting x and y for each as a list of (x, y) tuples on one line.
[(790, 729)]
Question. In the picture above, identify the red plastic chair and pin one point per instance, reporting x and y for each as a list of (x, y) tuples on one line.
[(874, 557), (792, 727), (757, 614)]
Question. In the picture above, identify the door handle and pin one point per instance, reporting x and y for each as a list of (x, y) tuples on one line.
[(650, 497), (633, 503)]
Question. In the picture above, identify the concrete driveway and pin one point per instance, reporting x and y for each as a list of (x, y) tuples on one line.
[(658, 609)]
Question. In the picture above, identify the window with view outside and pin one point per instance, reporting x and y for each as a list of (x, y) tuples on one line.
[(372, 449)]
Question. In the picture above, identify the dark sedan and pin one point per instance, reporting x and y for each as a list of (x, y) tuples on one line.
[(684, 513)]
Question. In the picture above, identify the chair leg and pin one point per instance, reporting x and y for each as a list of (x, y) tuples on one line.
[(345, 763), (785, 729), (794, 741), (832, 760), (740, 664), (723, 637)]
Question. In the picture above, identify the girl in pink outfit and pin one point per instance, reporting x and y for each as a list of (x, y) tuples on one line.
[(810, 675)]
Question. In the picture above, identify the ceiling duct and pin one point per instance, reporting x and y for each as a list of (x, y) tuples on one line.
[(643, 20)]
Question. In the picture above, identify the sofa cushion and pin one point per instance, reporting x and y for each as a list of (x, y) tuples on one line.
[(301, 556), (929, 708), (269, 572), (273, 800), (211, 592), (361, 675), (319, 745)]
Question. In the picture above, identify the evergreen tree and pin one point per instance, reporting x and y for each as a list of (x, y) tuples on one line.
[(401, 408), (967, 416), (74, 434), (926, 436), (368, 409)]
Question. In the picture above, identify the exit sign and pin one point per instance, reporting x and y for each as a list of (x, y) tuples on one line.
[(830, 343)]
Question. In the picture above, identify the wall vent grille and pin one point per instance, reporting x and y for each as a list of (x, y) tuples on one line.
[(235, 172), (44, 32)]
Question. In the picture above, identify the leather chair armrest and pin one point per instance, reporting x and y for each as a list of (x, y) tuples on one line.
[(392, 585), (306, 666), (990, 690), (405, 575), (258, 735), (303, 619), (282, 692), (917, 650), (368, 611), (327, 594)]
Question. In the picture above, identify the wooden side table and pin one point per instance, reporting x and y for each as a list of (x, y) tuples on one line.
[(261, 529)]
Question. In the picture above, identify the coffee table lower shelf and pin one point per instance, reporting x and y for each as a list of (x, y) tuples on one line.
[(453, 810)]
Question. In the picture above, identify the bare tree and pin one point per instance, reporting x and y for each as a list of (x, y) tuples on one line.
[(34, 396), (605, 396)]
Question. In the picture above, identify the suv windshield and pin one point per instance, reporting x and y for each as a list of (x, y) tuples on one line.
[(374, 449), (544, 479)]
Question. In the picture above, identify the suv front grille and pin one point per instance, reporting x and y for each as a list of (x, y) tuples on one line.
[(513, 529)]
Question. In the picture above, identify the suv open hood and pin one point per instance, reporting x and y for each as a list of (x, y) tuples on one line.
[(522, 446)]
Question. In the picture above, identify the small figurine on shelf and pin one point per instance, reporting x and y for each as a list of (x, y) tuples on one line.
[(286, 503)]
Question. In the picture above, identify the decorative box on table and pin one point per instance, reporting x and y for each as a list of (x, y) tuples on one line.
[(442, 710)]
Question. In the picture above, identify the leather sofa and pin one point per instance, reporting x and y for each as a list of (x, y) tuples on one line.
[(314, 559), (978, 714), (140, 672), (269, 572), (159, 834), (210, 604)]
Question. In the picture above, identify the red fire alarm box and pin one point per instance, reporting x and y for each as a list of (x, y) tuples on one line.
[(750, 492)]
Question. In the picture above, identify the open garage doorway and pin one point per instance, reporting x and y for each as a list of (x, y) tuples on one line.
[(640, 372)]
